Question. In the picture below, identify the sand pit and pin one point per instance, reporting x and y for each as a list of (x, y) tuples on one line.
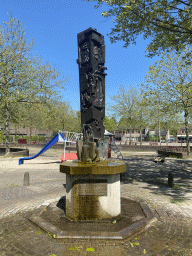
[(37, 163)]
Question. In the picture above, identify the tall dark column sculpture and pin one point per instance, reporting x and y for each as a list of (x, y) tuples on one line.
[(91, 59)]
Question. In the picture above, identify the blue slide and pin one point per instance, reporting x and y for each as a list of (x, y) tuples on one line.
[(57, 138)]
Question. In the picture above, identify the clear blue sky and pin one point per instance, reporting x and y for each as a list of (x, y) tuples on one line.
[(54, 25)]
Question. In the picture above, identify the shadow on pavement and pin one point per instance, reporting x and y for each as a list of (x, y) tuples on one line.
[(156, 175)]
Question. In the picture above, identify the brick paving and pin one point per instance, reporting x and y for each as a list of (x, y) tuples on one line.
[(170, 235)]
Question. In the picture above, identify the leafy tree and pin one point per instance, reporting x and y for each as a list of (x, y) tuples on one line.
[(32, 116), (166, 22), (172, 80), (76, 122), (172, 122), (157, 111), (55, 116), (123, 123), (126, 107), (110, 123), (151, 138), (23, 76), (143, 114), (64, 117)]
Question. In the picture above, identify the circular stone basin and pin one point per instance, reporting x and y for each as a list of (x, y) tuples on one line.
[(106, 167)]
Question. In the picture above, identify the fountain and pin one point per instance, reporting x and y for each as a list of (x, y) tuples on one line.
[(93, 207), (92, 182)]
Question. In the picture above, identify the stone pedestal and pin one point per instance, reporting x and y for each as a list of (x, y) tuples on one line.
[(93, 190)]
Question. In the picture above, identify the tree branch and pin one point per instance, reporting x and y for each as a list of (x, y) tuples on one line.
[(183, 3)]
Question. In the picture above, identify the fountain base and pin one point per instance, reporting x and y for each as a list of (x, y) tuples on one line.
[(135, 216), (93, 189)]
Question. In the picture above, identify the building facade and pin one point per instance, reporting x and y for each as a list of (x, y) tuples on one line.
[(125, 135), (27, 131), (181, 135)]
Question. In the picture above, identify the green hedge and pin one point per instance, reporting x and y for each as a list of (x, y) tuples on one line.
[(32, 138), (3, 137), (42, 138), (153, 138), (28, 138)]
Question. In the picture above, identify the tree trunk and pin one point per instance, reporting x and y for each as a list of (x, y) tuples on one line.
[(140, 136), (14, 136), (30, 129), (63, 125), (30, 134), (159, 132), (7, 148), (130, 136), (187, 131)]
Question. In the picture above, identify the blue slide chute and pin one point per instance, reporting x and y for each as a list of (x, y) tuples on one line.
[(57, 138)]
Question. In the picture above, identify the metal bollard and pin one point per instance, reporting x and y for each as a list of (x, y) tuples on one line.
[(122, 177), (26, 179), (170, 179)]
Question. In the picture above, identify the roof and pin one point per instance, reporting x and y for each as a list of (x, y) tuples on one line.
[(107, 133)]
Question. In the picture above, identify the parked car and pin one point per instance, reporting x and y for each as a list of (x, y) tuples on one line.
[(162, 141)]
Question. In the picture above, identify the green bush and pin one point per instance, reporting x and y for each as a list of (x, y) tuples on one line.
[(42, 138), (157, 138), (1, 136), (25, 137), (10, 138), (164, 138), (34, 138), (151, 138), (154, 138)]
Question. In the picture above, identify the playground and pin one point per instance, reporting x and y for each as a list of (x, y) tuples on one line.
[(171, 235), (143, 180)]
